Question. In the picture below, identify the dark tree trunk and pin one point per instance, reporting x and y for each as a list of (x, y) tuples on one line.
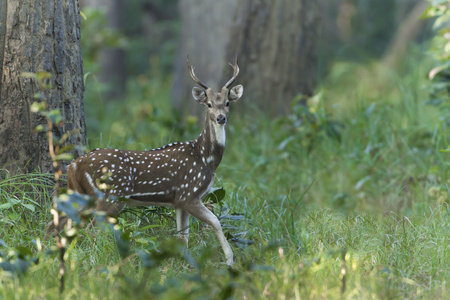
[(275, 40), (38, 36), (277, 43)]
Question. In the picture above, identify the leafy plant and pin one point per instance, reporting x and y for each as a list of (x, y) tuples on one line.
[(16, 260), (310, 122)]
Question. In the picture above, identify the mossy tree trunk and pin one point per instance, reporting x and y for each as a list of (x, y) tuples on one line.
[(275, 40), (38, 36)]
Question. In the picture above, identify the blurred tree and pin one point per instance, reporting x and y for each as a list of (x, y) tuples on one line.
[(152, 29), (112, 59), (38, 36), (358, 30), (406, 32), (275, 40)]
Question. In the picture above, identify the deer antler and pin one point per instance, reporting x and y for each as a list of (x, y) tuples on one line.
[(191, 71), (235, 73)]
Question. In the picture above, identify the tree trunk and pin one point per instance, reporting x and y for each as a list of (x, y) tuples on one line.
[(38, 36), (112, 60), (275, 42), (406, 32)]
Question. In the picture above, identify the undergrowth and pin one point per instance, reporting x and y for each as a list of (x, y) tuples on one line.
[(346, 197)]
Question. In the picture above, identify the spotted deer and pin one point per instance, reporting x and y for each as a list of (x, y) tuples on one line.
[(178, 175)]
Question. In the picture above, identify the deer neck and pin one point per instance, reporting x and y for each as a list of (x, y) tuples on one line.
[(211, 142)]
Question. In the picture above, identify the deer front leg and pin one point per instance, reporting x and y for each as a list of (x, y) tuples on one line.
[(182, 225), (199, 211)]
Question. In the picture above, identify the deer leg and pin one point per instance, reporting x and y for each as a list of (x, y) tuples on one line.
[(182, 225), (111, 209), (199, 211), (51, 230)]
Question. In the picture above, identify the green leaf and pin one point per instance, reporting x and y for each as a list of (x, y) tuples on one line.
[(39, 128), (19, 266), (43, 75), (55, 116), (438, 2), (37, 106), (122, 242), (428, 13), (23, 251), (14, 216), (11, 203), (149, 227), (146, 241), (28, 206), (5, 206), (70, 204), (216, 195), (38, 95)]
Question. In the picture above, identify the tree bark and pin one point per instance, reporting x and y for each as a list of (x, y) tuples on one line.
[(38, 36), (275, 42)]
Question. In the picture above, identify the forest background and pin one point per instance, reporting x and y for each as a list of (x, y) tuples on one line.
[(335, 174)]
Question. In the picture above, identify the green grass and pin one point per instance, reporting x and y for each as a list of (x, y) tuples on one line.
[(374, 205)]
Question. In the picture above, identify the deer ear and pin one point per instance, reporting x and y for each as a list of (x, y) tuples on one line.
[(199, 95), (236, 93)]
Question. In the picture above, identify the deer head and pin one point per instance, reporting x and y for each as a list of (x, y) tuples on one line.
[(217, 102)]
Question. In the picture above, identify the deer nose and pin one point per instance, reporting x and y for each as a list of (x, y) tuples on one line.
[(221, 119)]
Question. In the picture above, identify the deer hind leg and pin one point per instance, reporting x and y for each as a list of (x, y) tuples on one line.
[(183, 225), (199, 211), (51, 230), (104, 205), (87, 187)]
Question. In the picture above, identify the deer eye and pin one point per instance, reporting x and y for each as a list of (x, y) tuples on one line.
[(227, 104), (209, 105)]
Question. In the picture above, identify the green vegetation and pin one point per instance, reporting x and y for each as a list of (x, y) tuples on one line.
[(353, 184), (347, 197)]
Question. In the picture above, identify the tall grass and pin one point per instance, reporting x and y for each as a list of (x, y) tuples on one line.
[(365, 215)]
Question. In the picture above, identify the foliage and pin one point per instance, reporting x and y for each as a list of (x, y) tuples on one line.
[(98, 36), (310, 122), (363, 213)]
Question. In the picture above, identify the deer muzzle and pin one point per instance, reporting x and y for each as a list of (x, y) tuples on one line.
[(221, 119)]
